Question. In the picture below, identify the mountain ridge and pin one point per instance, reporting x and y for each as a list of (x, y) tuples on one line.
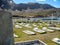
[(7, 4), (29, 9), (24, 6)]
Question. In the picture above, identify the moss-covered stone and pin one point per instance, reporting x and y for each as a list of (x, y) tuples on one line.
[(6, 28)]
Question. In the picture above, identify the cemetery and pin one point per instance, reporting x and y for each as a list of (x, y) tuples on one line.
[(25, 31), (29, 23), (47, 32), (42, 31)]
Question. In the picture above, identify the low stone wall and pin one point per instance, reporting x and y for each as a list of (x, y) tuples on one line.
[(31, 42)]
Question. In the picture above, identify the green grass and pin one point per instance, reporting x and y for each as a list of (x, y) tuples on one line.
[(47, 37)]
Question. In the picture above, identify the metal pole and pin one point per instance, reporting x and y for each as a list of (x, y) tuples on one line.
[(58, 20), (52, 19)]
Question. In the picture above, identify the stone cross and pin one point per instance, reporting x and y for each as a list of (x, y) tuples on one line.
[(6, 28)]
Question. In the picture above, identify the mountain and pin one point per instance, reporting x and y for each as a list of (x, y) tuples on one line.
[(9, 4), (29, 9), (24, 6)]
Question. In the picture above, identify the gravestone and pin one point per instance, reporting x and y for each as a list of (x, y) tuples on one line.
[(6, 28)]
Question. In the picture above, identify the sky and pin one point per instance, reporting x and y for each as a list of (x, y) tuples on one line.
[(55, 3)]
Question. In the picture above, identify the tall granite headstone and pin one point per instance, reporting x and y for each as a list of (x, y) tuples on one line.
[(6, 28)]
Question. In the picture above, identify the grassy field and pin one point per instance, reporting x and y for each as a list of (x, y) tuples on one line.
[(47, 37)]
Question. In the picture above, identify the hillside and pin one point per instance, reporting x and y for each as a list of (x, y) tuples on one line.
[(39, 13), (24, 6), (7, 4), (29, 9)]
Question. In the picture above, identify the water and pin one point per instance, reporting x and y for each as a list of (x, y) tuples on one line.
[(48, 19), (44, 19)]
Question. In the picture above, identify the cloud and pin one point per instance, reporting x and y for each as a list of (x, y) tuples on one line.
[(40, 0), (55, 0)]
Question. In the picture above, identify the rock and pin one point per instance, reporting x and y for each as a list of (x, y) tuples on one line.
[(6, 28)]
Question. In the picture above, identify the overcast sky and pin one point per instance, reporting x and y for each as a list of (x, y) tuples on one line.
[(55, 3)]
